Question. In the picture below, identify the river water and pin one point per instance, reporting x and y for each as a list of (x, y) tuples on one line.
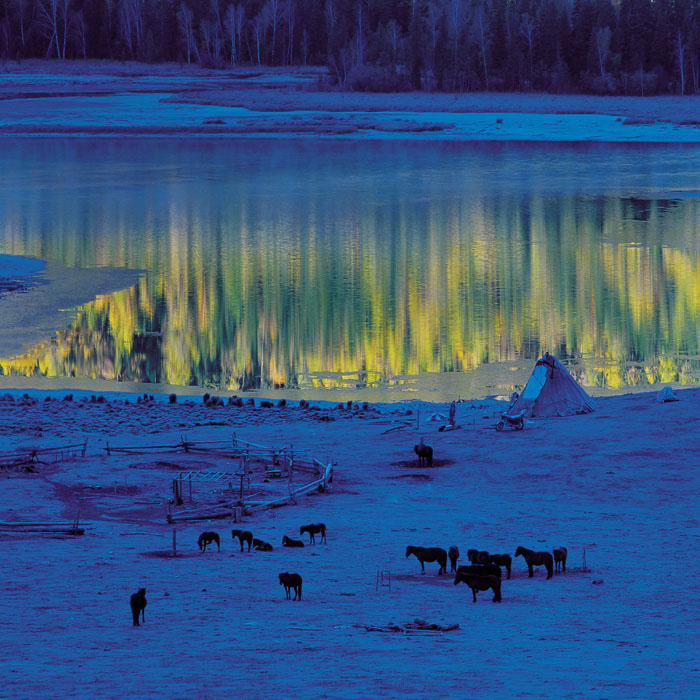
[(380, 268)]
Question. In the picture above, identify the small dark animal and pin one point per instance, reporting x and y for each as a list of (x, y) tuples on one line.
[(453, 555), (559, 559), (243, 536), (502, 560), (138, 605), (536, 559), (313, 529), (481, 583), (207, 538), (290, 581), (289, 542), (478, 557), (480, 570), (429, 554), (425, 454), (262, 546)]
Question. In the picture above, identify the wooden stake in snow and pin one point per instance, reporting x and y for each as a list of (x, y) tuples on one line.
[(174, 541)]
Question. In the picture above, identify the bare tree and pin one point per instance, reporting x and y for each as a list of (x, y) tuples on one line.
[(48, 24), (290, 14), (79, 31), (528, 29), (21, 7), (481, 26), (184, 20), (680, 55), (274, 13), (392, 31), (602, 42)]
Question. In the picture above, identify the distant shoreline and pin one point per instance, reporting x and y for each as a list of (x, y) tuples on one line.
[(170, 100)]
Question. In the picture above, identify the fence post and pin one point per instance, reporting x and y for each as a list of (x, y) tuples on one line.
[(174, 541)]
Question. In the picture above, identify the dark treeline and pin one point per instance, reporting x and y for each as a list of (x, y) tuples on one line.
[(637, 47)]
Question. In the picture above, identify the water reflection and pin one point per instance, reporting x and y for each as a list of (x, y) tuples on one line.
[(342, 264)]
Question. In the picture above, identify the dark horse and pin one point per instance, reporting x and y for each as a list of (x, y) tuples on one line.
[(481, 583), (502, 560), (243, 536), (536, 559), (289, 542), (207, 538), (425, 454), (429, 554), (290, 581), (138, 605), (313, 529), (559, 559), (262, 546), (453, 554), (478, 557)]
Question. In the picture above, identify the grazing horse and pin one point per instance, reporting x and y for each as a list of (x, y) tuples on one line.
[(262, 546), (207, 538), (138, 605), (478, 557), (313, 529), (536, 559), (480, 570), (453, 555), (243, 536), (425, 454), (502, 560), (429, 554), (481, 583), (559, 559), (290, 581), (289, 542)]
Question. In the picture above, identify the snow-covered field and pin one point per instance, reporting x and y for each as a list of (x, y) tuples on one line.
[(620, 485), (102, 98)]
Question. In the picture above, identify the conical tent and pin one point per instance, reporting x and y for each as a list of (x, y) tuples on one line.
[(552, 391)]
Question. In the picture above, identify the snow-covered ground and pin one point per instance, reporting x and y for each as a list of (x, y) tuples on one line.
[(96, 98), (619, 485)]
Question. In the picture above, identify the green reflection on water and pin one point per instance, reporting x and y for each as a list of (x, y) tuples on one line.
[(298, 265)]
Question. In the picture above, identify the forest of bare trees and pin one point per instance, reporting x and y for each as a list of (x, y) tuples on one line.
[(631, 47)]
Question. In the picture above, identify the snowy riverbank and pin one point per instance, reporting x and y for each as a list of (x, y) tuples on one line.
[(102, 98)]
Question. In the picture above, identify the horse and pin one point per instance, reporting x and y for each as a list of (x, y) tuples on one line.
[(559, 559), (261, 546), (478, 557), (207, 538), (502, 560), (313, 529), (289, 542), (425, 454), (429, 554), (480, 570), (290, 581), (453, 555), (536, 559), (138, 605), (243, 536), (480, 583)]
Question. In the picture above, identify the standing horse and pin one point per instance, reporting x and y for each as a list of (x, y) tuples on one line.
[(536, 559), (480, 583), (207, 538), (314, 529), (290, 581), (453, 554), (502, 560), (429, 554), (559, 559), (425, 454), (243, 536), (478, 557)]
